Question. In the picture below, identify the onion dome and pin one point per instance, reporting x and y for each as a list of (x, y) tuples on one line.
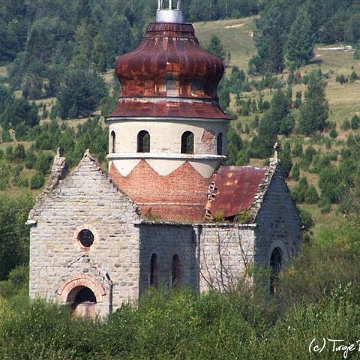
[(169, 74)]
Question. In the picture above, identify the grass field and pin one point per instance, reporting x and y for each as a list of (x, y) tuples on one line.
[(235, 36)]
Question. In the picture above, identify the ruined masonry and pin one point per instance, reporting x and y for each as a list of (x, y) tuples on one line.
[(168, 211)]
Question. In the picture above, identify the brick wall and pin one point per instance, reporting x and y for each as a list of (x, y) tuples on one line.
[(180, 196)]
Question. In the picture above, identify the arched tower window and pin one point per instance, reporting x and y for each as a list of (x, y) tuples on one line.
[(275, 264), (113, 141), (154, 270), (176, 270), (143, 142), (220, 144), (187, 143)]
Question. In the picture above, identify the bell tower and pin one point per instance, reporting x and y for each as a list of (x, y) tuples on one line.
[(167, 134)]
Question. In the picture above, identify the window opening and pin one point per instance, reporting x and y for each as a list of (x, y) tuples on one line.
[(176, 270), (86, 237), (220, 144), (113, 138), (143, 142), (154, 270), (187, 143), (275, 264)]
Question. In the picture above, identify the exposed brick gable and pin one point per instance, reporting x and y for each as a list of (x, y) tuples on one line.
[(179, 196)]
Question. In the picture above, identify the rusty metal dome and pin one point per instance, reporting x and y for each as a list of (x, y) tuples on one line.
[(169, 75)]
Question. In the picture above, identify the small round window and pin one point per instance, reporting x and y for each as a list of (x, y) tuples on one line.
[(86, 238)]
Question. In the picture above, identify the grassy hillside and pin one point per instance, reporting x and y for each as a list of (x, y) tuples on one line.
[(236, 37)]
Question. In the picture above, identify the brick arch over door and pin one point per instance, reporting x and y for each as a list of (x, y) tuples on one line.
[(80, 280)]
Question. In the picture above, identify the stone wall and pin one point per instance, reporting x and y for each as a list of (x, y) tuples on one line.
[(167, 240), (278, 222), (85, 199), (225, 251), (117, 266)]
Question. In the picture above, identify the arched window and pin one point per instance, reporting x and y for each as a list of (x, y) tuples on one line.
[(187, 143), (143, 142), (113, 141), (176, 270), (154, 270), (275, 264), (220, 144)]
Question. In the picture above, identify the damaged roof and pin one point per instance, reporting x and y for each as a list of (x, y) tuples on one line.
[(234, 189)]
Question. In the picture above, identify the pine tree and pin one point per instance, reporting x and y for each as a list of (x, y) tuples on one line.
[(315, 109), (301, 40), (216, 48), (269, 40)]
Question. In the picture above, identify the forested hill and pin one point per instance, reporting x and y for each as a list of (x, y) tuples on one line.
[(65, 51), (42, 37)]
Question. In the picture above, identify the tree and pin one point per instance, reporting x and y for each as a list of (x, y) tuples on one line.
[(14, 234), (269, 40), (300, 190), (216, 48), (19, 112), (311, 195), (295, 173), (355, 122), (37, 181), (301, 40), (80, 93), (234, 146), (262, 145), (314, 110)]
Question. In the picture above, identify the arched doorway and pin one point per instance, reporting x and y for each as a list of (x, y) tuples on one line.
[(83, 302), (276, 260)]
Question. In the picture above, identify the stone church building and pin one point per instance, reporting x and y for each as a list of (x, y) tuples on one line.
[(168, 210)]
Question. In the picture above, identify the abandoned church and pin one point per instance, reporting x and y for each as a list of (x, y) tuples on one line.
[(168, 210)]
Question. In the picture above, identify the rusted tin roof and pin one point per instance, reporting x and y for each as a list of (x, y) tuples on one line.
[(169, 64), (234, 189), (137, 107)]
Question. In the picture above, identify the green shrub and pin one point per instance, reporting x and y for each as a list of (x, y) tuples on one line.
[(37, 181), (355, 122), (295, 173), (311, 195)]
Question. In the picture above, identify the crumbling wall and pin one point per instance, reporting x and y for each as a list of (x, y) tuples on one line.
[(225, 253)]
